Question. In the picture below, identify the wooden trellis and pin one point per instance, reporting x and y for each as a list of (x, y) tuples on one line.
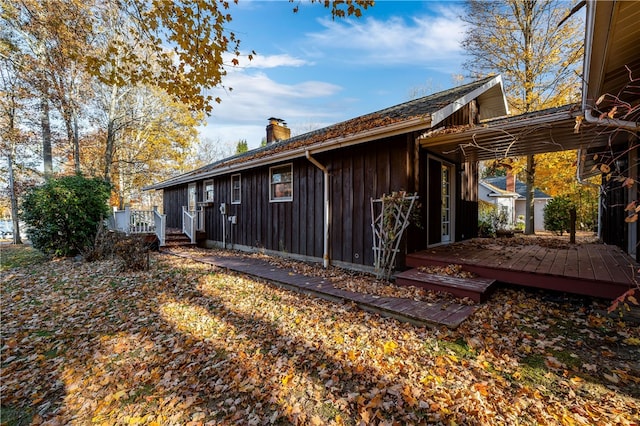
[(390, 216)]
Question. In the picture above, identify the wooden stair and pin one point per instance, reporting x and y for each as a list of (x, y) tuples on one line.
[(177, 239), (476, 289)]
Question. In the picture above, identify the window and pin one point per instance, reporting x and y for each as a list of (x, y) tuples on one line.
[(281, 185), (208, 190), (236, 191)]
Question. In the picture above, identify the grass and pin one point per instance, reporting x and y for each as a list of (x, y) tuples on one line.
[(17, 256), (15, 416)]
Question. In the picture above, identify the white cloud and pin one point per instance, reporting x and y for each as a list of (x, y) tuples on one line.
[(421, 41), (274, 61), (264, 61), (255, 97)]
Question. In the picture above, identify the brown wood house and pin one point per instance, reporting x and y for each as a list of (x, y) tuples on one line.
[(308, 196)]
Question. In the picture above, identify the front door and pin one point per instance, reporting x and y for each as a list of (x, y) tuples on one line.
[(441, 201), (192, 197)]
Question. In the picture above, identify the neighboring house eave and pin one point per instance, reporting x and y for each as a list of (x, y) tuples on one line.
[(497, 192)]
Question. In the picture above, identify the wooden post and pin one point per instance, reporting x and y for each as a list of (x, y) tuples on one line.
[(572, 225)]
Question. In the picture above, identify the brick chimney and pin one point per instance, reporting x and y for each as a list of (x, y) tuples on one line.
[(511, 181), (277, 130)]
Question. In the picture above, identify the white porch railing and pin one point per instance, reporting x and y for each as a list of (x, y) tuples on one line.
[(189, 223), (192, 222), (140, 222)]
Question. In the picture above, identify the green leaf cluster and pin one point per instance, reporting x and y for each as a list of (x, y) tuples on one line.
[(556, 214), (63, 214)]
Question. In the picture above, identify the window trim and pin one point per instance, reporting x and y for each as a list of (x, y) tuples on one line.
[(239, 180), (273, 199), (204, 191)]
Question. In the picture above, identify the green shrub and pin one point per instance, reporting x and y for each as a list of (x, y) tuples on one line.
[(556, 215), (63, 214), (486, 222)]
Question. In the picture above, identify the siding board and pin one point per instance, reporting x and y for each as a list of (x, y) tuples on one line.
[(359, 204)]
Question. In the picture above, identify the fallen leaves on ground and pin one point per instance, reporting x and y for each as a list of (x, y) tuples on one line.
[(450, 270), (187, 344)]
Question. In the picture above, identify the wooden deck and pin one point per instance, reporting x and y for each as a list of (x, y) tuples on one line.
[(444, 313), (598, 270)]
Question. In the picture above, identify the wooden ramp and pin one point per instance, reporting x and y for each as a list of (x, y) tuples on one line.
[(476, 289), (445, 313)]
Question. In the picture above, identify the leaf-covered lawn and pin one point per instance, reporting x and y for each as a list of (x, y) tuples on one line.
[(185, 344)]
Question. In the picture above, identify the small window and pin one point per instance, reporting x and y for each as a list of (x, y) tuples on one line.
[(281, 183), (208, 191), (236, 189)]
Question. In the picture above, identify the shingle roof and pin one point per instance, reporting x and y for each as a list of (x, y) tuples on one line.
[(500, 182), (416, 108)]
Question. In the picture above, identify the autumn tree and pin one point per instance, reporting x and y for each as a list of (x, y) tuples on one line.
[(52, 37), (538, 58), (156, 141), (11, 94), (17, 150), (242, 147)]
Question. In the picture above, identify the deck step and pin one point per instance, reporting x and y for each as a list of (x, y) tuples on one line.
[(476, 289)]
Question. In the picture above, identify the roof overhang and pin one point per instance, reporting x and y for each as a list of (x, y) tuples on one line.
[(612, 35), (547, 131), (491, 101), (611, 54), (417, 124)]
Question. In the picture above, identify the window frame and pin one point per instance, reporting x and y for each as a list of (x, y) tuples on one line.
[(239, 181), (204, 191), (281, 199)]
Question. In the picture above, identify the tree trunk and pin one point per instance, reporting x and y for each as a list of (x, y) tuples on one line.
[(14, 201), (111, 136), (76, 143), (47, 156), (530, 227)]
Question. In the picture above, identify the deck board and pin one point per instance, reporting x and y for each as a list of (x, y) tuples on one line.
[(600, 270), (559, 263), (534, 259), (585, 267), (544, 267)]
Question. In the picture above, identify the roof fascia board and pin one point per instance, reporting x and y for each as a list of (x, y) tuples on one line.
[(407, 126), (459, 103)]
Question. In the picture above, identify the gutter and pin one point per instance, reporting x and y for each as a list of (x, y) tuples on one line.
[(327, 207)]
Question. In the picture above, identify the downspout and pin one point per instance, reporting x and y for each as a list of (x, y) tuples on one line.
[(327, 210), (610, 122)]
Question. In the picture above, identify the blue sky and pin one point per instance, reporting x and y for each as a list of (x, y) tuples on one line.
[(313, 71)]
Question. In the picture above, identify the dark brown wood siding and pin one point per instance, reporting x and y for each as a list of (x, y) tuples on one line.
[(356, 175), (467, 202), (614, 228)]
